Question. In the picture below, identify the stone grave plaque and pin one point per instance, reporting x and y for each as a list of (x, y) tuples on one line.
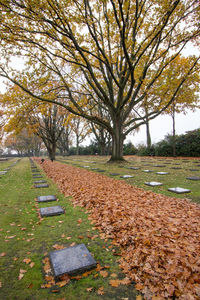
[(37, 176), (193, 170), (51, 211), (162, 173), (40, 181), (133, 168), (147, 171), (159, 166), (42, 185), (193, 178), (33, 167), (35, 171), (46, 198), (86, 166), (3, 172), (94, 168), (100, 171), (179, 190), (126, 176), (72, 260), (153, 183), (175, 168), (114, 174)]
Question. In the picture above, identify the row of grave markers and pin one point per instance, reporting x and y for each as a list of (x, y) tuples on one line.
[(5, 171), (71, 260), (177, 190)]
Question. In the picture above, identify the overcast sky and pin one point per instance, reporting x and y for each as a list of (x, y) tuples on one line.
[(162, 125)]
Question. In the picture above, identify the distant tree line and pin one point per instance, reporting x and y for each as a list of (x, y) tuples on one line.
[(186, 145)]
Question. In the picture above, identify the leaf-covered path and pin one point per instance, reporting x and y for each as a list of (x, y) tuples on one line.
[(159, 236)]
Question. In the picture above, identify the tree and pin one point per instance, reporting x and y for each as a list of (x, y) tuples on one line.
[(24, 143), (64, 140), (98, 51), (81, 130), (186, 98), (188, 95), (46, 120)]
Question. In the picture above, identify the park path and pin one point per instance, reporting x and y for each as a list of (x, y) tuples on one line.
[(158, 236)]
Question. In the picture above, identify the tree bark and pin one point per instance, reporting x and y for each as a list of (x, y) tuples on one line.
[(173, 132), (52, 152), (117, 142), (148, 135)]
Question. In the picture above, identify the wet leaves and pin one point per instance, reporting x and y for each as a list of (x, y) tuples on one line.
[(158, 235)]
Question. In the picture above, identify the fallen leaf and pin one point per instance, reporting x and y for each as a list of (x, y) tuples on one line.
[(32, 264), (89, 289), (62, 283), (100, 291), (58, 247), (104, 273), (27, 260), (114, 282), (3, 254)]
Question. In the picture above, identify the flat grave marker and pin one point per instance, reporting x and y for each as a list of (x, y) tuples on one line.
[(162, 173), (37, 176), (179, 190), (51, 211), (126, 176), (114, 174), (35, 170), (133, 168), (159, 166), (42, 185), (3, 172), (175, 168), (100, 171), (147, 171), (72, 260), (193, 178), (193, 170), (40, 181), (153, 183), (47, 198)]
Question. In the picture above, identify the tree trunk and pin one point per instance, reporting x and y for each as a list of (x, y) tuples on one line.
[(173, 133), (52, 152), (117, 143), (77, 146), (148, 135)]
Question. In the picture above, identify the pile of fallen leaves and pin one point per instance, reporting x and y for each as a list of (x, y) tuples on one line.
[(159, 236)]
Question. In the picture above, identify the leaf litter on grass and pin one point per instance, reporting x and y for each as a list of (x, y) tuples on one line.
[(158, 235)]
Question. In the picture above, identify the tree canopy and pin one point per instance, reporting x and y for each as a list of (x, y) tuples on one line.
[(109, 53)]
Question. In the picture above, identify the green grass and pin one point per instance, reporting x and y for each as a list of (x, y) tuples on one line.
[(176, 177), (22, 236)]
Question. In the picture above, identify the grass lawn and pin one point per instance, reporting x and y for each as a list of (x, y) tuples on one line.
[(25, 241), (178, 169)]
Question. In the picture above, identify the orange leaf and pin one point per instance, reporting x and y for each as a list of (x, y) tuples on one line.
[(104, 273), (62, 283), (114, 282), (100, 291), (27, 260)]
